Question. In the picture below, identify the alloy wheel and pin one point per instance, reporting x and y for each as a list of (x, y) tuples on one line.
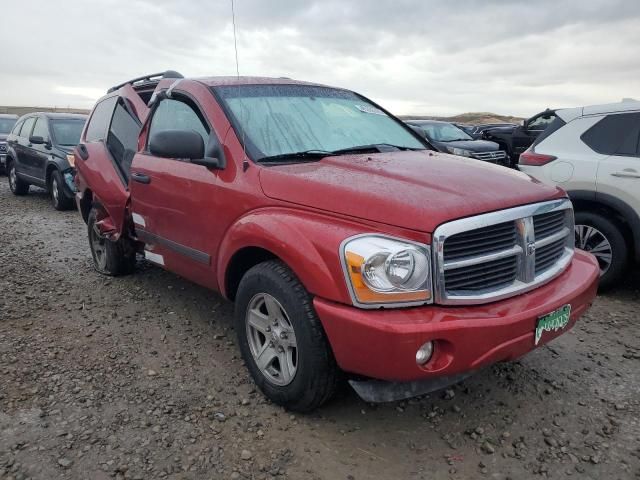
[(271, 339), (12, 177), (595, 242), (54, 191), (99, 247)]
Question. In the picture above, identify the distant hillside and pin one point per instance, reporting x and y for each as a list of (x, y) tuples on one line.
[(473, 118), (24, 110)]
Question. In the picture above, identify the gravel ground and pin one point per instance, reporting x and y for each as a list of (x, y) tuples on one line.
[(139, 378)]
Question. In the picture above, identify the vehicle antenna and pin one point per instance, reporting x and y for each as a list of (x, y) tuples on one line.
[(245, 161), (235, 40)]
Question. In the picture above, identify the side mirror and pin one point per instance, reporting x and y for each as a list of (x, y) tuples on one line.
[(183, 144), (37, 140)]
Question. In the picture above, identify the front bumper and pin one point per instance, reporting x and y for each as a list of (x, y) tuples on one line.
[(382, 344)]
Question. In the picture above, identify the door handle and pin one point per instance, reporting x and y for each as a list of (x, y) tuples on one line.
[(626, 174), (140, 178)]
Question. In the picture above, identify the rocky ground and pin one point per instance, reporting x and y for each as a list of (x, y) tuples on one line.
[(140, 378)]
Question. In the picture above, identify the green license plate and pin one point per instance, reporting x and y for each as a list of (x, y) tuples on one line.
[(552, 322)]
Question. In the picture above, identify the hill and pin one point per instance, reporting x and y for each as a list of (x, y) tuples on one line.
[(472, 118), (24, 110)]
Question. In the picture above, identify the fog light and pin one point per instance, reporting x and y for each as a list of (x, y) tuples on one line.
[(423, 355)]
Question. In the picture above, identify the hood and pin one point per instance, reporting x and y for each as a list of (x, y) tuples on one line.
[(414, 190), (471, 145), (3, 137), (66, 148)]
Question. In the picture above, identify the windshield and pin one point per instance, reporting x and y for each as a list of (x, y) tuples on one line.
[(66, 132), (284, 119), (6, 124), (444, 132)]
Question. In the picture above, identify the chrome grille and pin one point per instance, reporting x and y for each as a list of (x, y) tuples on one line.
[(496, 255), (494, 156), (482, 240)]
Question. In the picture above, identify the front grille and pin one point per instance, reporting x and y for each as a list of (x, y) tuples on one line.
[(548, 255), (494, 156), (481, 240), (497, 255), (547, 224), (3, 147), (492, 274)]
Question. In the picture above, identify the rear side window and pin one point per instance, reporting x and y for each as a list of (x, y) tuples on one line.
[(541, 122), (556, 125), (99, 122), (122, 139), (617, 134), (25, 132)]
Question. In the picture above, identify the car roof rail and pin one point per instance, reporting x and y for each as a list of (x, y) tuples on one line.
[(147, 79)]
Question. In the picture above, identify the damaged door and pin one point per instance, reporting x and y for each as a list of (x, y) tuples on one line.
[(104, 156)]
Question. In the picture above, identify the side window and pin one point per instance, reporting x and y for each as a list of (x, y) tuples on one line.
[(616, 134), (173, 114), (542, 122), (100, 118), (122, 139), (41, 129), (27, 126)]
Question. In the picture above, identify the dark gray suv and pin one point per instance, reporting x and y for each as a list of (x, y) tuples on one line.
[(6, 124), (39, 153)]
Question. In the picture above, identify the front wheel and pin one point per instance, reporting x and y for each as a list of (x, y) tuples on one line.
[(17, 186), (59, 199), (604, 239), (282, 340), (109, 258)]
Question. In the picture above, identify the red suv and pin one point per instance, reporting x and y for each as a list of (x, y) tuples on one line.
[(346, 244)]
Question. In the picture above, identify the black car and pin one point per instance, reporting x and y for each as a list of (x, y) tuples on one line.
[(446, 137), (515, 139), (476, 131), (39, 152), (6, 124)]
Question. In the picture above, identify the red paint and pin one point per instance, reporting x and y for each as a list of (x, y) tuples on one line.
[(383, 344), (301, 214)]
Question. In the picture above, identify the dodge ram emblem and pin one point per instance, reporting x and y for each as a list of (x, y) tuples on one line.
[(531, 248)]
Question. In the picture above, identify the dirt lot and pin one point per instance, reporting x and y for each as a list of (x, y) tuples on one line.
[(139, 377)]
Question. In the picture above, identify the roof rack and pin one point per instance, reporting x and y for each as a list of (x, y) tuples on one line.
[(153, 78)]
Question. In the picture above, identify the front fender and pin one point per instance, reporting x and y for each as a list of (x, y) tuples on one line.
[(307, 242)]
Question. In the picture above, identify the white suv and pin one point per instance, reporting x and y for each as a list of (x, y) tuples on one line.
[(594, 154)]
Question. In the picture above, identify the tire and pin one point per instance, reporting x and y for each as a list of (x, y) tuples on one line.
[(17, 186), (109, 258), (59, 199), (594, 232), (314, 377)]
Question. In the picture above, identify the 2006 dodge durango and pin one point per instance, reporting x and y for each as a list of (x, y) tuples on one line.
[(348, 246)]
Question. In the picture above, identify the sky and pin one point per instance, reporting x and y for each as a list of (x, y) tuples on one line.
[(429, 57)]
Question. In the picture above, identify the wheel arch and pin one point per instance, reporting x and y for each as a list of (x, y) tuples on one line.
[(622, 212), (306, 243)]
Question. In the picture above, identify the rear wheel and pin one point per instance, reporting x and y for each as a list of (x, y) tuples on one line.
[(17, 186), (59, 199), (109, 258), (282, 340), (604, 239)]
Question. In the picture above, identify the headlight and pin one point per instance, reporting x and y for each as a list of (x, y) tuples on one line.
[(461, 152), (71, 159), (384, 271)]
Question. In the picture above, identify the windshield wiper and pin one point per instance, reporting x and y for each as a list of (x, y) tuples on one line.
[(305, 155), (380, 147)]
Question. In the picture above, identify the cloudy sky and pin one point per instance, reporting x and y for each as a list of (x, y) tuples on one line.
[(414, 57)]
